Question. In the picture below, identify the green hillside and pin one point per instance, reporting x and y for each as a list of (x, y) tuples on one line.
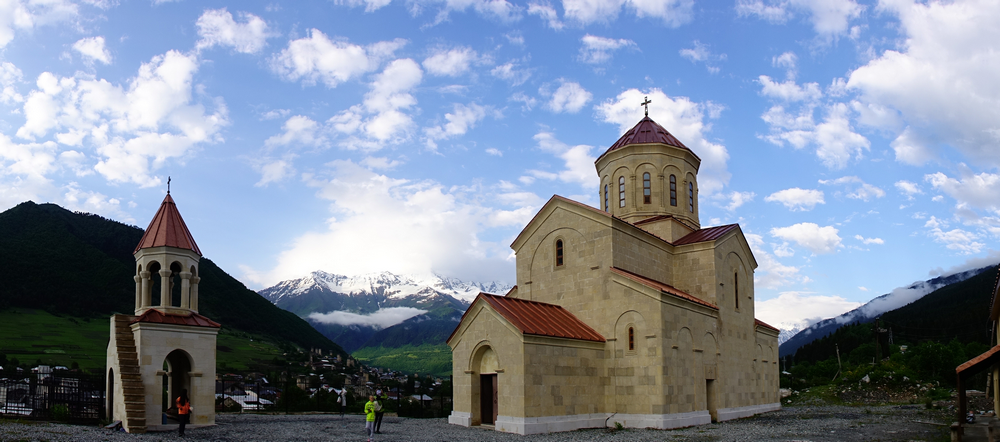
[(433, 359), (81, 266), (940, 330)]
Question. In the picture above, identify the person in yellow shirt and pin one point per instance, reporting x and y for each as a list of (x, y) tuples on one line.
[(370, 416)]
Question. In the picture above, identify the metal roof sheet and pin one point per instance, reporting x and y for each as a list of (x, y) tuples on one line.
[(977, 363), (707, 234), (764, 324), (538, 318), (664, 288), (168, 229), (155, 316), (647, 131)]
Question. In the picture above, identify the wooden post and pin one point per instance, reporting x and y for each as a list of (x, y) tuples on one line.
[(961, 406)]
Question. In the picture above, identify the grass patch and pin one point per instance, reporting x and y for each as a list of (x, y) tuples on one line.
[(424, 359), (31, 335)]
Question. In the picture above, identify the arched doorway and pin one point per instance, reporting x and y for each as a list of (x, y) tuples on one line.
[(110, 408), (176, 378), (485, 386)]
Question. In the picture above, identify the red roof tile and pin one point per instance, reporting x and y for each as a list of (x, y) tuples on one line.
[(980, 361), (155, 316), (664, 288), (646, 131), (168, 229), (707, 234), (766, 325), (538, 318)]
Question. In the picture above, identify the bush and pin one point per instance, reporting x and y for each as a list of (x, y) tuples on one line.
[(60, 412)]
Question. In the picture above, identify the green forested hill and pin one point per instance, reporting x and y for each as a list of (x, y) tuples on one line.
[(81, 265)]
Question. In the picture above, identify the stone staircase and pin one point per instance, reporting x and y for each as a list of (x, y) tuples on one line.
[(128, 366)]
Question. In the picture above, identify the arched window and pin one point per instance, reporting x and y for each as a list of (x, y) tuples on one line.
[(646, 194), (736, 288), (690, 196), (621, 191), (607, 208), (559, 253), (673, 190), (631, 339)]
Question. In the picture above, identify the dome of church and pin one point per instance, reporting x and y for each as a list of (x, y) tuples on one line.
[(647, 131), (168, 229)]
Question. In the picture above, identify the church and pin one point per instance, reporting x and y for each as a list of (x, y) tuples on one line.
[(631, 313), (166, 346)]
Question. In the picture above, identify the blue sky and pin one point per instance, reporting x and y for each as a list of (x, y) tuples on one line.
[(855, 142)]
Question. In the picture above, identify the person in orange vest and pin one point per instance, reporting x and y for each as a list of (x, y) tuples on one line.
[(183, 411)]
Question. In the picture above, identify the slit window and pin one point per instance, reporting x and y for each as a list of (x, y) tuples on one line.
[(559, 253), (673, 190), (631, 339), (621, 191), (736, 289), (646, 190), (690, 196), (607, 207)]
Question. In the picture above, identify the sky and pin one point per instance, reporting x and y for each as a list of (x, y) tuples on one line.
[(857, 143)]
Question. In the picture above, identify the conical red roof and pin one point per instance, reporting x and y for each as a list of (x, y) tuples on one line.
[(647, 131), (168, 229)]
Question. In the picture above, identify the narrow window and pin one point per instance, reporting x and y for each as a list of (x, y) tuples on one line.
[(621, 191), (691, 197), (736, 288), (607, 208), (673, 190), (631, 339), (559, 253), (646, 194)]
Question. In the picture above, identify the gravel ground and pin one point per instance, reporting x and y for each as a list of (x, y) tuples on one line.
[(795, 423)]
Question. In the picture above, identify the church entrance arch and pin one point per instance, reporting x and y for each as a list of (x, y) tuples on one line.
[(485, 386), (176, 377)]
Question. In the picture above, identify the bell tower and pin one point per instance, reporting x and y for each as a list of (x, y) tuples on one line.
[(650, 179), (166, 346)]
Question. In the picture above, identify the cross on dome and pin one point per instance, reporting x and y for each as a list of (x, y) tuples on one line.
[(645, 103)]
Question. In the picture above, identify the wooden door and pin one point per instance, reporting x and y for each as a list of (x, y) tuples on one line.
[(488, 398), (496, 405)]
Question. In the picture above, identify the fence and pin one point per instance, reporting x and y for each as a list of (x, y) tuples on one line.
[(240, 395), (52, 397)]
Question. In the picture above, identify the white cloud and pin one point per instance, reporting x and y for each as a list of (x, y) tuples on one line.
[(681, 117), (298, 130), (10, 76), (869, 240), (791, 310), (318, 58), (975, 190), (380, 163), (789, 91), (770, 272), (93, 48), (379, 120), (819, 240), (216, 27), (950, 52), (578, 162), (274, 171), (383, 318), (546, 12), (494, 151), (835, 140), (370, 5), (788, 61), (452, 63), (908, 188), (597, 50), (527, 103), (955, 239), (797, 199), (737, 199), (460, 120), (674, 13), (857, 188), (700, 53), (17, 15), (401, 226), (569, 97), (511, 72), (498, 10), (134, 130), (829, 18)]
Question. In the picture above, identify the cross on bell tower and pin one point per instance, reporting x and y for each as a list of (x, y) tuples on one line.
[(645, 103)]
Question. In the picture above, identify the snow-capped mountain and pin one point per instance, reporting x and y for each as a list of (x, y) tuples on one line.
[(383, 284), (351, 310), (872, 309)]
